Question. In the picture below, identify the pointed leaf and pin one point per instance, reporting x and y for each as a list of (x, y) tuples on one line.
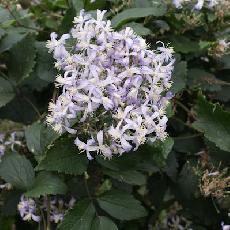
[(38, 137), (121, 205), (17, 170), (80, 217), (6, 92), (64, 157), (21, 59), (214, 122), (103, 223), (130, 176), (134, 13), (46, 184)]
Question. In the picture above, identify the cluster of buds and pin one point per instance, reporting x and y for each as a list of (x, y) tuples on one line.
[(113, 85), (30, 209), (9, 142), (197, 5)]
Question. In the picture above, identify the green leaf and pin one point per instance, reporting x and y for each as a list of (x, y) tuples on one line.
[(204, 80), (64, 157), (38, 137), (121, 205), (184, 45), (161, 151), (21, 59), (80, 217), (77, 5), (188, 181), (138, 28), (46, 184), (130, 14), (6, 92), (179, 77), (141, 3), (11, 200), (12, 37), (130, 177), (19, 110), (17, 170), (214, 122), (45, 63), (4, 15), (103, 223)]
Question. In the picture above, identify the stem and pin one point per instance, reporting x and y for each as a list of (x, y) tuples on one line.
[(48, 212), (184, 108), (88, 193), (43, 219)]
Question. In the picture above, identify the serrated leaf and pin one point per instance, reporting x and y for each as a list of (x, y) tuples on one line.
[(6, 92), (103, 223), (130, 177), (21, 59), (12, 37), (214, 122), (80, 217), (46, 184), (121, 205), (64, 157), (179, 77), (17, 170), (38, 137), (133, 13)]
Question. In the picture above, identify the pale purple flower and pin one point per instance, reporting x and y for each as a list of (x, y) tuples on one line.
[(225, 227), (113, 74), (27, 209)]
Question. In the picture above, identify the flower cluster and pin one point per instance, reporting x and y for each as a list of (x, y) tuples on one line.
[(113, 84), (9, 142), (199, 4), (30, 209), (58, 208), (172, 219)]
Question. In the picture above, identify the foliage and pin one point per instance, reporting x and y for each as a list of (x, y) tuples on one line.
[(149, 188)]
